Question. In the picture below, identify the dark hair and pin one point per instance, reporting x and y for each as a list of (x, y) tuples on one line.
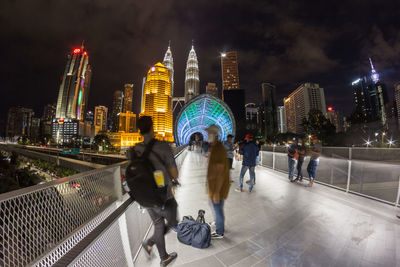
[(230, 136), (145, 124)]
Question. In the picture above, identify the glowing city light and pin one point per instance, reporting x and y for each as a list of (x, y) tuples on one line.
[(153, 69), (85, 53), (77, 50), (367, 142), (356, 81), (223, 54), (330, 108)]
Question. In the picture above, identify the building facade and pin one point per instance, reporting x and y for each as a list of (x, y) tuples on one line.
[(74, 88), (127, 98), (157, 101), (168, 62), (397, 103), (116, 110), (19, 122), (270, 110), (230, 71), (192, 80), (334, 118), (211, 89), (100, 117), (251, 112), (298, 104), (281, 119), (127, 122)]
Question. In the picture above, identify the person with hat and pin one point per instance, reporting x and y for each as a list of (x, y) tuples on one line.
[(250, 152), (217, 179), (315, 153)]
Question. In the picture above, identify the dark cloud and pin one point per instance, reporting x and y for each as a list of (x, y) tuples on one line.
[(285, 42)]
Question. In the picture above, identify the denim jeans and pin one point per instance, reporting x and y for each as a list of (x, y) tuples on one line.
[(299, 166), (219, 217), (252, 176), (312, 168), (292, 165)]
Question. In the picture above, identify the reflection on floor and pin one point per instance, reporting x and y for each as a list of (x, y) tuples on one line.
[(284, 224)]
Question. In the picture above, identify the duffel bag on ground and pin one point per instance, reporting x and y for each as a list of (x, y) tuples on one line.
[(194, 233)]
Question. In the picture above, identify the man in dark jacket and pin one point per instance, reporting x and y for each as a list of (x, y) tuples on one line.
[(250, 153)]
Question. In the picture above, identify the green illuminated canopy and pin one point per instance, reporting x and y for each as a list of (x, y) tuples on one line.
[(198, 114)]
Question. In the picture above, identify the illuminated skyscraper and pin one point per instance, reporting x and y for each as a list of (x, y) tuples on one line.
[(100, 117), (74, 89), (211, 89), (156, 101), (230, 71), (169, 64), (128, 97), (116, 110), (299, 103), (192, 76)]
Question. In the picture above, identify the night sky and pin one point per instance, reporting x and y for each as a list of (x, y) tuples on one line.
[(283, 42)]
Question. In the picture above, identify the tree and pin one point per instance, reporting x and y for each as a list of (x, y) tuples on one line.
[(102, 140), (317, 124)]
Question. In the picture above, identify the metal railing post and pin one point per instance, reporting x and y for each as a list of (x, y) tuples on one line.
[(398, 194), (273, 158), (349, 171), (117, 183)]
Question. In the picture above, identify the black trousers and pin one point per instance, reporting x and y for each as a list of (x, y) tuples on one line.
[(158, 216), (230, 163), (299, 172)]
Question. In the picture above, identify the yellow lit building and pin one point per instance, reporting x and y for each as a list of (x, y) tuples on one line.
[(156, 101), (127, 122), (124, 140)]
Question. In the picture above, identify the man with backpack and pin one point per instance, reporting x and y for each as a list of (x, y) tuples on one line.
[(217, 179), (250, 152), (150, 176)]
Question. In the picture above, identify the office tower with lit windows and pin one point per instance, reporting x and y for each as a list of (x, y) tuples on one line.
[(251, 112), (192, 80), (168, 62), (156, 101), (74, 88), (230, 70), (397, 103), (49, 113), (298, 104), (334, 118), (19, 122), (116, 110), (100, 117), (127, 98), (211, 89), (270, 109), (127, 122), (281, 119), (89, 117)]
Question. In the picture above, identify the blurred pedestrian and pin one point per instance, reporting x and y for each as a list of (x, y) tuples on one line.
[(228, 144), (249, 151), (217, 180), (301, 150), (163, 160), (292, 159), (315, 153)]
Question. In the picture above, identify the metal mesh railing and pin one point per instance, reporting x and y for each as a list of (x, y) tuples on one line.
[(37, 219)]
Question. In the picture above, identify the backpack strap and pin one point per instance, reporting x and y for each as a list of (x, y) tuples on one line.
[(149, 147)]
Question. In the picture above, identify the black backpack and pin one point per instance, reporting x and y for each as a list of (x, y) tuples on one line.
[(140, 179)]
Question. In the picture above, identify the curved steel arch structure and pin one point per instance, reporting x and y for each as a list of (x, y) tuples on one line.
[(198, 114)]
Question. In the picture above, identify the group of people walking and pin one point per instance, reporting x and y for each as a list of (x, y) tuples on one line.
[(297, 153)]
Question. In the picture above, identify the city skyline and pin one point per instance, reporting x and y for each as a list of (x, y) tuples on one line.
[(321, 61)]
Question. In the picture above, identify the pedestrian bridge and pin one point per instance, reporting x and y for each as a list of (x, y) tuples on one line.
[(279, 224)]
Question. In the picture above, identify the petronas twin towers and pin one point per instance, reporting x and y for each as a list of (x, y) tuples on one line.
[(192, 73)]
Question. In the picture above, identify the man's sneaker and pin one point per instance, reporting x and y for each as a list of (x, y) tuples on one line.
[(238, 190), (214, 235), (171, 257)]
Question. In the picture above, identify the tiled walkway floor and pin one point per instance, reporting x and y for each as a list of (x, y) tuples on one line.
[(285, 224)]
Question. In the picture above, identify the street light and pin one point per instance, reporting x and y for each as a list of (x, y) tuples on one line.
[(368, 142), (391, 142)]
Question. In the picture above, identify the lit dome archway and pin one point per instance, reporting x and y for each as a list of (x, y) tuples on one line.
[(201, 112)]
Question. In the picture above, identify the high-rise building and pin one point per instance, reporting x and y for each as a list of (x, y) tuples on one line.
[(156, 101), (235, 99), (230, 71), (168, 62), (281, 119), (49, 112), (100, 117), (211, 89), (334, 118), (127, 122), (192, 76), (370, 97), (19, 122), (127, 98), (270, 110), (89, 117), (74, 88), (251, 112), (116, 110), (397, 103), (298, 104)]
